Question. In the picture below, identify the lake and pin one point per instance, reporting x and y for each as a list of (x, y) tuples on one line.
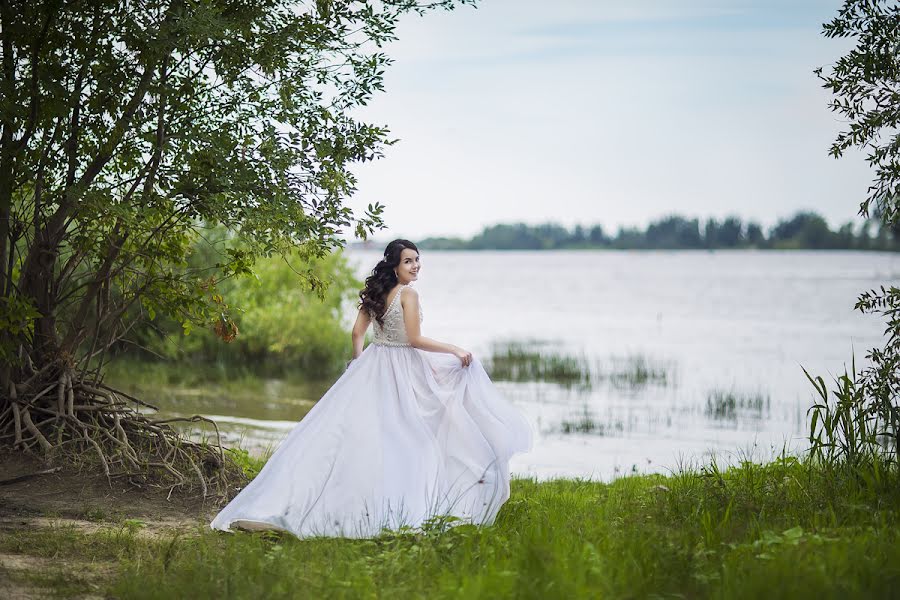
[(692, 354)]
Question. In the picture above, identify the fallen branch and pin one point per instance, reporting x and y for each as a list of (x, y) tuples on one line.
[(29, 476)]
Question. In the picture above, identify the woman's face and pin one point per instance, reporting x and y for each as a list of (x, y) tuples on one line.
[(408, 269)]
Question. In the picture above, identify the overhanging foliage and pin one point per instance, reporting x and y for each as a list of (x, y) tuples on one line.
[(129, 126)]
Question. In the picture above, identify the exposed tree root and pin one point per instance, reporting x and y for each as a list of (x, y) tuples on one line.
[(89, 423)]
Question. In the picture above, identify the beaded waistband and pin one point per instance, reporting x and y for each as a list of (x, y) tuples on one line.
[(393, 344)]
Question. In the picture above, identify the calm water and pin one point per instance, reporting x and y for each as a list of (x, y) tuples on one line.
[(730, 330)]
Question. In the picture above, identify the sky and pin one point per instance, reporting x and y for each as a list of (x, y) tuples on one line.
[(608, 112)]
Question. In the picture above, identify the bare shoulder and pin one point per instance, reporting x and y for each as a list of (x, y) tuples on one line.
[(408, 294)]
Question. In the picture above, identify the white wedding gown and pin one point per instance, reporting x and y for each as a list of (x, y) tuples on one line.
[(403, 436)]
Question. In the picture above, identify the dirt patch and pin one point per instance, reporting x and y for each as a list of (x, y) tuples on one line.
[(88, 496), (88, 503), (11, 584), (146, 528), (24, 577)]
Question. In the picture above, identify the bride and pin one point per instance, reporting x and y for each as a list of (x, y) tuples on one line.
[(413, 429)]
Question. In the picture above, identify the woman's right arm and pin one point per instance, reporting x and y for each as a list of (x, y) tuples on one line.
[(409, 301), (358, 335)]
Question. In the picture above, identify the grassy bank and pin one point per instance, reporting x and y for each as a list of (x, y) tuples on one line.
[(783, 530)]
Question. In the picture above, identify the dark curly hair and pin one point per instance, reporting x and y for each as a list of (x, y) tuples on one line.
[(373, 297)]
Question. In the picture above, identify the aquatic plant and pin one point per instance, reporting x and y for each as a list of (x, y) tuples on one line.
[(586, 422), (542, 361), (728, 405), (526, 361), (636, 371)]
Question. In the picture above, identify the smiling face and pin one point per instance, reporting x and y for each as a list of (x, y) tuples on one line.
[(408, 269)]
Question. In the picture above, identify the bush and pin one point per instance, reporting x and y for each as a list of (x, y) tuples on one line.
[(283, 323)]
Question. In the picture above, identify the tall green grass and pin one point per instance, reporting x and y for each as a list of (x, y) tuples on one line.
[(789, 529), (842, 430)]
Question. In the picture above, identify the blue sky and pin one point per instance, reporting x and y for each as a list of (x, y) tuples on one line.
[(605, 112)]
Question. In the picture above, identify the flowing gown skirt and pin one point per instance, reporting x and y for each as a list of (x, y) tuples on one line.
[(403, 436)]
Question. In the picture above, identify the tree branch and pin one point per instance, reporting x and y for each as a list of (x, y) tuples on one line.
[(114, 247), (35, 96)]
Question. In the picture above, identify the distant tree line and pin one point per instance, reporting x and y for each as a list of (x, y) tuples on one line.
[(805, 230)]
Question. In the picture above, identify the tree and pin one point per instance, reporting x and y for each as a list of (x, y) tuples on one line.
[(579, 236), (128, 127), (731, 233), (844, 236), (516, 236), (865, 84), (674, 232), (711, 233), (803, 230), (755, 236), (597, 236), (630, 238), (551, 235)]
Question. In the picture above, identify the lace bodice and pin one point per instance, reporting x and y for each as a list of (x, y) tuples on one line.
[(393, 333)]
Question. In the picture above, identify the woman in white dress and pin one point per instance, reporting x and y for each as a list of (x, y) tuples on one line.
[(414, 429)]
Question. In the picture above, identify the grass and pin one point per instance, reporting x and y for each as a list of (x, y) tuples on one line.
[(62, 582), (249, 464), (67, 541), (789, 529)]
